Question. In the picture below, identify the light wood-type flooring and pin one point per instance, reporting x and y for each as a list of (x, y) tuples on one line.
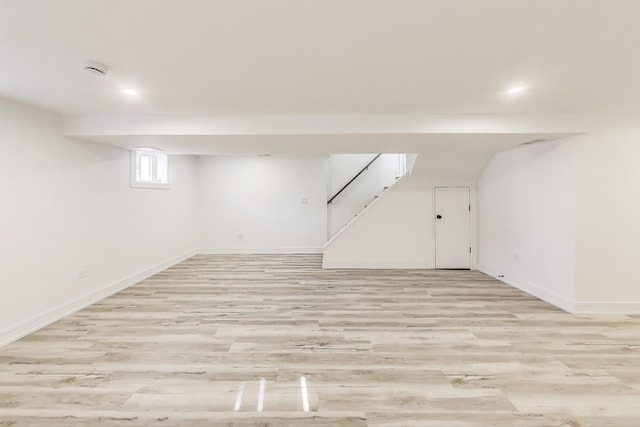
[(270, 340)]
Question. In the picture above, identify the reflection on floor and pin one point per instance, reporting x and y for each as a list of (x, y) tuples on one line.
[(275, 340)]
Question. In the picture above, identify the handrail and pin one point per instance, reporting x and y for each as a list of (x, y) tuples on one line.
[(354, 178)]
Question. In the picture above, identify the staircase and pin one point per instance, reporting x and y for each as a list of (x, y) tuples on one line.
[(362, 189)]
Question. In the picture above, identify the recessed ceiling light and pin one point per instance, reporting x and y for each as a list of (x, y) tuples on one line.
[(130, 92), (517, 89)]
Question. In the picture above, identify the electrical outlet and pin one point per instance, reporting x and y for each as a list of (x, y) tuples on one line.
[(82, 274), (305, 201), (239, 236), (516, 257)]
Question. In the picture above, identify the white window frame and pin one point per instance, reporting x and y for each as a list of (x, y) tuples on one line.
[(154, 184)]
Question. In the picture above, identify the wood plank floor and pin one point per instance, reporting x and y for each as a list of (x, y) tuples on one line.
[(269, 340)]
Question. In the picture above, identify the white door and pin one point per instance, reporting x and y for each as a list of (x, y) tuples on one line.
[(453, 223)]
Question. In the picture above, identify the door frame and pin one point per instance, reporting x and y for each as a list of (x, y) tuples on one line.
[(472, 237)]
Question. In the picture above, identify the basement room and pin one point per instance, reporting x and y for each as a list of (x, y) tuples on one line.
[(366, 213)]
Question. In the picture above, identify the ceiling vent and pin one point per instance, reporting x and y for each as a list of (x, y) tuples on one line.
[(96, 68), (535, 141), (541, 140)]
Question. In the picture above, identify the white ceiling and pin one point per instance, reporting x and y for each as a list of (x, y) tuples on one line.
[(322, 56)]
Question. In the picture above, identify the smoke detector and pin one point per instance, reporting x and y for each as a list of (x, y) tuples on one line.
[(97, 68)]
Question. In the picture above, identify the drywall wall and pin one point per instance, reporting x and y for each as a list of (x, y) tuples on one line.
[(343, 167), (67, 210), (395, 231), (256, 204), (364, 189), (458, 165), (608, 226), (527, 219)]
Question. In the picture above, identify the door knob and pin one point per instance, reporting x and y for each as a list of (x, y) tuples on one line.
[(439, 216)]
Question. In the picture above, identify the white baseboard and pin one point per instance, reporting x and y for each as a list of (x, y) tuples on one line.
[(550, 297), (15, 332), (607, 307), (231, 251), (372, 265)]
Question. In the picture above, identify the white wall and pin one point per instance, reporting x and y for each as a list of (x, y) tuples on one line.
[(450, 165), (260, 199), (66, 207), (396, 231), (364, 189), (608, 227), (527, 218), (343, 167)]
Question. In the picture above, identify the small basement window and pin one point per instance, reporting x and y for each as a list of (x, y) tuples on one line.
[(149, 169)]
